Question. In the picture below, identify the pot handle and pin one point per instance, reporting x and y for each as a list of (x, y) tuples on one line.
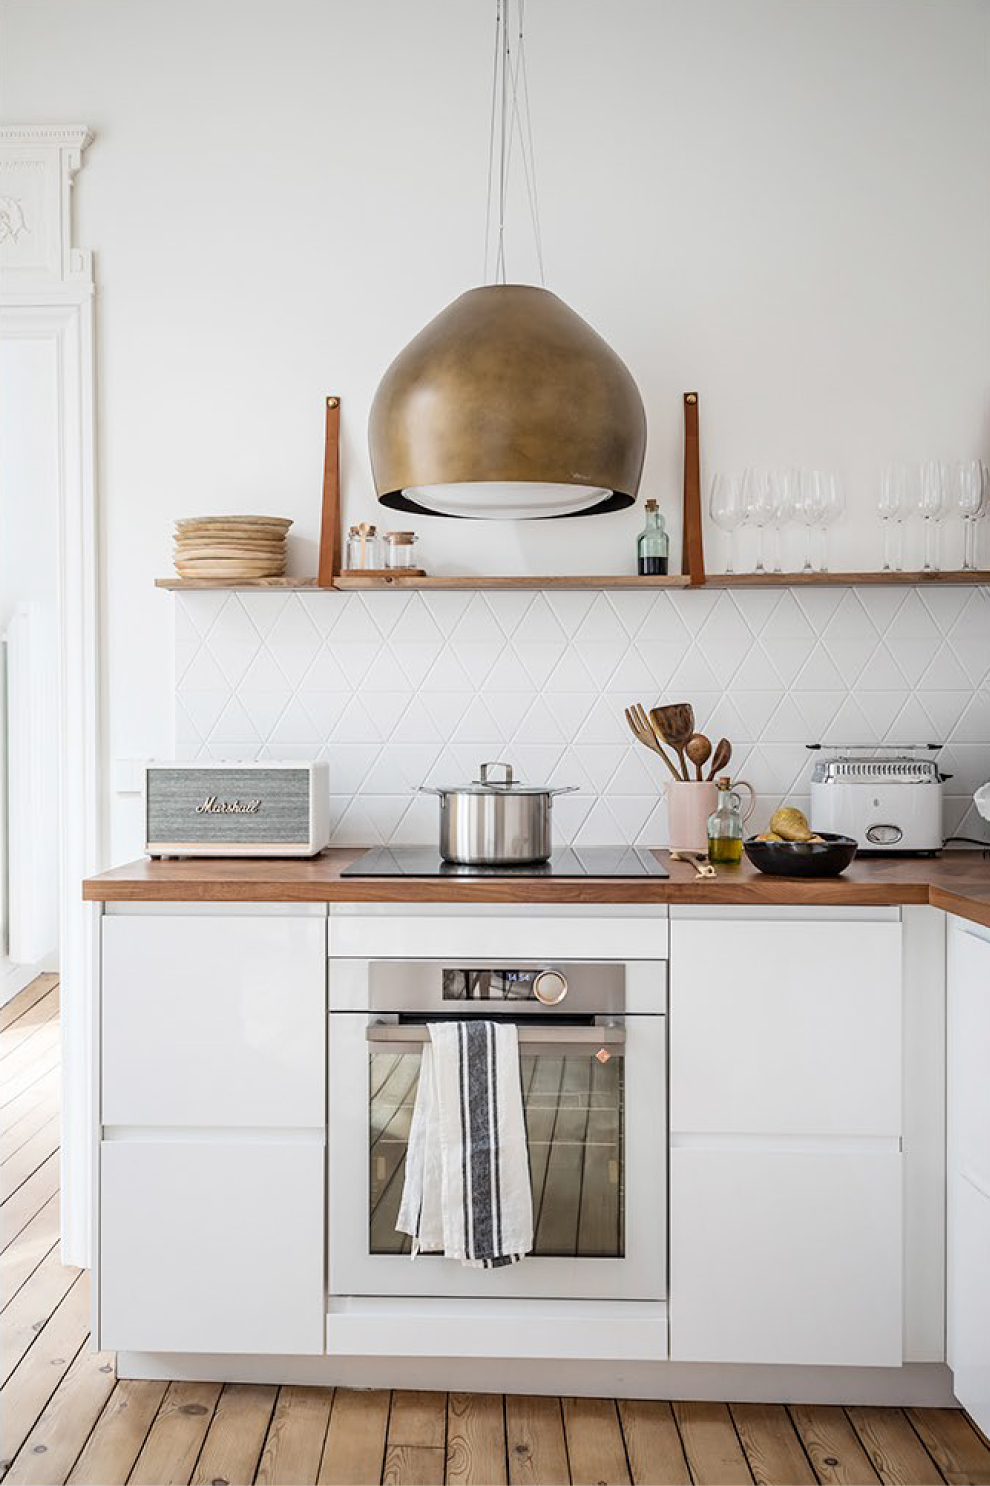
[(496, 764), (428, 789), (564, 789)]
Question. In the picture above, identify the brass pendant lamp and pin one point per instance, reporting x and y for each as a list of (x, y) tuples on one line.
[(507, 406)]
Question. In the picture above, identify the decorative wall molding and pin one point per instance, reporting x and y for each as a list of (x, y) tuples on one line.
[(37, 166), (47, 293)]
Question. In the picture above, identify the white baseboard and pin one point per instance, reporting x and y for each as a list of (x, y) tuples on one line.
[(16, 977), (916, 1385)]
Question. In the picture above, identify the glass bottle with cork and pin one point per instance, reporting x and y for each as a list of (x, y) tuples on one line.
[(725, 825), (652, 544)]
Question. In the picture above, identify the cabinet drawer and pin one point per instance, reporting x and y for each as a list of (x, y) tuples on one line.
[(212, 1246), (785, 1257), (790, 1028), (213, 1021)]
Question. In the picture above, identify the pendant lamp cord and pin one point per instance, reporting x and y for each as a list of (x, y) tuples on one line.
[(491, 137), (510, 113)]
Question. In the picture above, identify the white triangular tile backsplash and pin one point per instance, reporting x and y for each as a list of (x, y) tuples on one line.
[(398, 689)]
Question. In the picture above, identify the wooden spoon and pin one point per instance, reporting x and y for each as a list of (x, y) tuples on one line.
[(641, 728), (699, 751), (720, 759), (675, 724)]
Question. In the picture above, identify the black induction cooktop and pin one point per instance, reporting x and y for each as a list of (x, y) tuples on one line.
[(569, 861)]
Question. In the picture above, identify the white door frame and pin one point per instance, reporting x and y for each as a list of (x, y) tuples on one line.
[(47, 293)]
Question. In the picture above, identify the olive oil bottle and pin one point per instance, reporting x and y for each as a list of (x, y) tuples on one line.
[(725, 825)]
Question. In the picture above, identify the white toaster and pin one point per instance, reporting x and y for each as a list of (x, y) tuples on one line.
[(885, 804)]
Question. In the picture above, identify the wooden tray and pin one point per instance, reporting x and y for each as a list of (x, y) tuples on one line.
[(382, 573)]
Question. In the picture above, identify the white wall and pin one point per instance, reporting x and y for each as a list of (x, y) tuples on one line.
[(780, 202), (29, 834)]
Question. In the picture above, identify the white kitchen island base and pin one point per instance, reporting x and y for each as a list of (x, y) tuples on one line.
[(798, 1223)]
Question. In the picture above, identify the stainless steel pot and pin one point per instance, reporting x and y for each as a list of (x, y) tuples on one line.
[(495, 823)]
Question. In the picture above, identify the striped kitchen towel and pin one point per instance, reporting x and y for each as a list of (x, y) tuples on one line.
[(467, 1191)]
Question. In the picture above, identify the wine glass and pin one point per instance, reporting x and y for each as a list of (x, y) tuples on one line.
[(932, 496), (785, 486), (832, 505), (969, 494), (758, 500), (809, 503), (727, 510), (893, 506)]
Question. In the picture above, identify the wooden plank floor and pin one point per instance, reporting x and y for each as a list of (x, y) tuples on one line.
[(64, 1416)]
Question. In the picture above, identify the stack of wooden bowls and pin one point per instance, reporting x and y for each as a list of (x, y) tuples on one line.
[(230, 548)]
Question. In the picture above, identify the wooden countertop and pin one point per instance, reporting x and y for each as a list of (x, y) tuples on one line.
[(958, 881)]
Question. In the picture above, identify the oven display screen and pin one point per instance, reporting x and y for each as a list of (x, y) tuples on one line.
[(488, 985)]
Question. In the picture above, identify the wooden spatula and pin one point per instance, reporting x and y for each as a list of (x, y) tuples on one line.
[(675, 724)]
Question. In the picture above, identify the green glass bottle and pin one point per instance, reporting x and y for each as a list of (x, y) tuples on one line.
[(652, 544)]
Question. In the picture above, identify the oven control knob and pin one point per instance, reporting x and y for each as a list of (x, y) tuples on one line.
[(550, 987)]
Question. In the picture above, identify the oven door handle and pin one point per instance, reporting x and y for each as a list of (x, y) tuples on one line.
[(557, 1040)]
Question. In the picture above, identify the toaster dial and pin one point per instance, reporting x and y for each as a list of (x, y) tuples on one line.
[(884, 835)]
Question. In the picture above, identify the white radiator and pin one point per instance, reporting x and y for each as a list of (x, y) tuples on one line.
[(31, 747)]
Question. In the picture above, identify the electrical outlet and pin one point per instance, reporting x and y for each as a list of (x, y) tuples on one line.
[(128, 776)]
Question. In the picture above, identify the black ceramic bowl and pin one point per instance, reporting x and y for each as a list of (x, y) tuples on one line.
[(802, 858)]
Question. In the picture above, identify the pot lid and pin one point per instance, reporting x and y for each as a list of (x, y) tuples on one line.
[(489, 783)]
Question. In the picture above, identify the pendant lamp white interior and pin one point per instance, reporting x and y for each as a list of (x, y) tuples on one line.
[(508, 405), (506, 500)]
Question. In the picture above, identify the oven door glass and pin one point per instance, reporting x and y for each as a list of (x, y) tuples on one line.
[(575, 1123), (597, 1138)]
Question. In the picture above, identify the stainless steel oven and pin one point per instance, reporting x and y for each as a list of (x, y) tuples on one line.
[(593, 1066)]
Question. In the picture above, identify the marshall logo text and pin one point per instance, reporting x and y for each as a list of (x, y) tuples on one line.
[(212, 806)]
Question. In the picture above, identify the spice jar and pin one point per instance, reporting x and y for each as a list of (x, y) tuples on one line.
[(364, 547), (400, 549)]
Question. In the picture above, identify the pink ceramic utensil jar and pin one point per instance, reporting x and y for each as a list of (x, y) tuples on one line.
[(689, 804)]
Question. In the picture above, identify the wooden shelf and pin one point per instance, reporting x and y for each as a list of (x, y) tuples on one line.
[(350, 581), (484, 580), (287, 585), (840, 580)]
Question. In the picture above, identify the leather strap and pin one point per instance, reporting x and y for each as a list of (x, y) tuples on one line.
[(329, 564), (693, 549)]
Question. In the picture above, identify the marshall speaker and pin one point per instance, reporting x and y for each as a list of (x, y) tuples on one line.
[(236, 810)]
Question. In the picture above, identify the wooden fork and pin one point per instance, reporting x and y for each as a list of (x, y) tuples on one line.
[(639, 726)]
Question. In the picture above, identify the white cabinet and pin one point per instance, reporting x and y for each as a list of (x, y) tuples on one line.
[(785, 1256), (785, 1187), (786, 1027), (968, 1167), (213, 1132), (213, 1021), (212, 1246)]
